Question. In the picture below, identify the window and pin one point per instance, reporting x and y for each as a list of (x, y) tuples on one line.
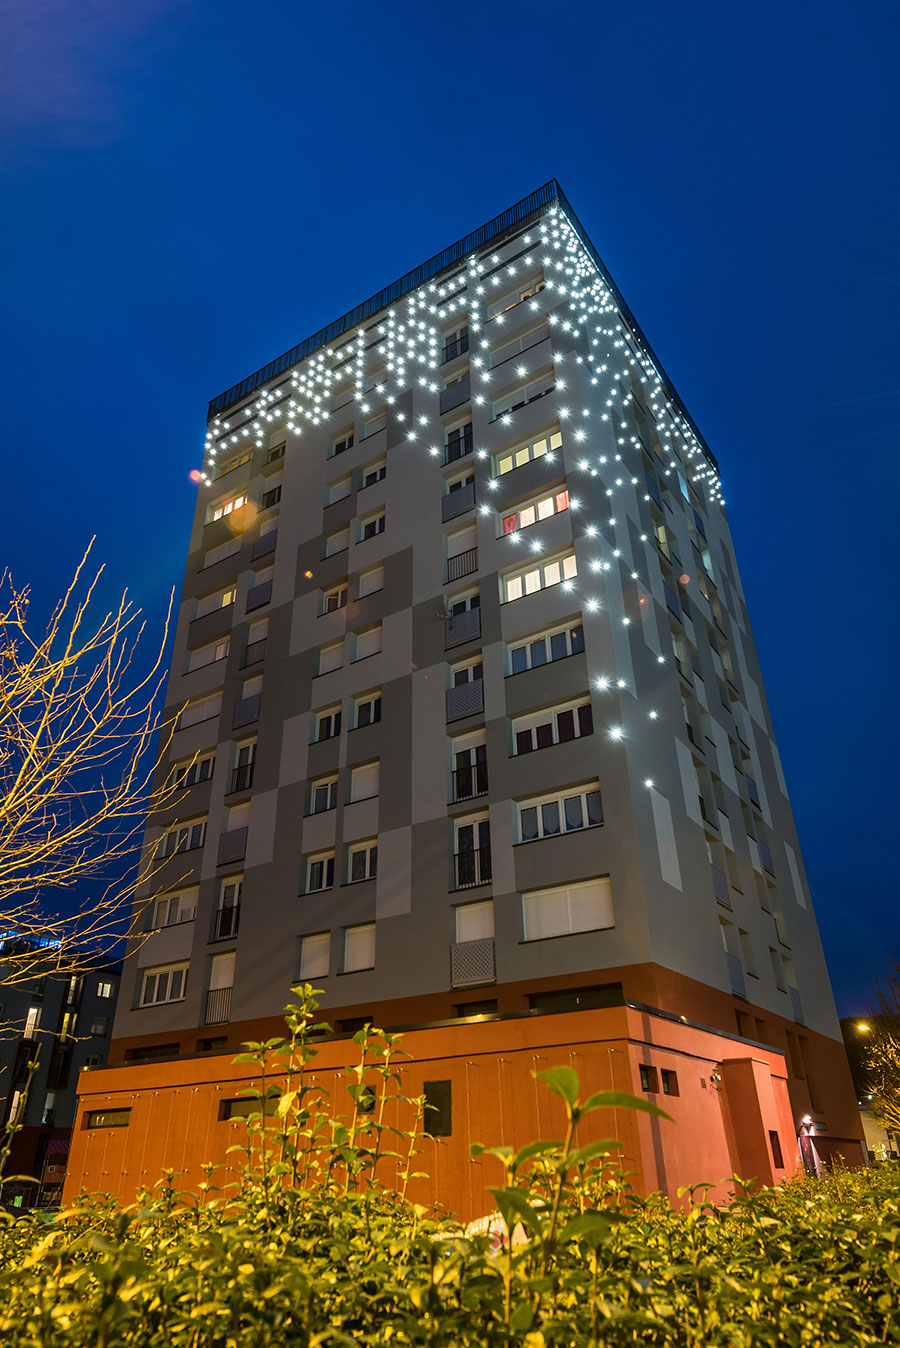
[(367, 709), (323, 794), (338, 491), (334, 598), (209, 655), (339, 541), (32, 1021), (376, 472), (554, 726), (219, 599), (247, 1106), (173, 908), (92, 1060), (359, 947), (191, 770), (562, 812), (226, 507), (539, 509), (468, 671), (364, 781), (543, 649), (372, 526), (371, 581), (669, 1082), (368, 643), (315, 955), (99, 1025), (528, 580), (456, 343), (331, 657), (229, 910), (105, 989), (184, 837), (473, 852), (244, 764), (524, 394), (201, 709), (328, 723), (526, 292), (228, 465), (342, 442), (649, 1079), (168, 984), (464, 603), (320, 872), (438, 1119), (469, 766), (459, 442), (535, 449), (108, 1118), (475, 921), (363, 862), (275, 453), (570, 908), (775, 1144), (270, 498)]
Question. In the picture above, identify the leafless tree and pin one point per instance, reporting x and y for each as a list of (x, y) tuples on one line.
[(881, 1059)]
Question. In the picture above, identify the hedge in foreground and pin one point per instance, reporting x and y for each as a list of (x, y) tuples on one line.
[(312, 1249)]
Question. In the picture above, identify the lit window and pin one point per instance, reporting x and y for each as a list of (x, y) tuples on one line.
[(227, 507), (533, 578), (99, 1025), (164, 985), (516, 458), (105, 989), (562, 812), (510, 301)]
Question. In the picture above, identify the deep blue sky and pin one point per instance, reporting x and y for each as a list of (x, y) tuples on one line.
[(191, 186)]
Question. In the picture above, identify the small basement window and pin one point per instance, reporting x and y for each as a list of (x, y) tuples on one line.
[(669, 1082), (649, 1081), (438, 1120), (107, 1118)]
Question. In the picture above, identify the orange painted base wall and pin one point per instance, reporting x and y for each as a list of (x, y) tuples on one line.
[(732, 1096)]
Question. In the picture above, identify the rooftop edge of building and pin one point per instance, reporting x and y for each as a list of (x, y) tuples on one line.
[(516, 217)]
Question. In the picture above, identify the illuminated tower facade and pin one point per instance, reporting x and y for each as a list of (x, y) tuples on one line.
[(474, 723)]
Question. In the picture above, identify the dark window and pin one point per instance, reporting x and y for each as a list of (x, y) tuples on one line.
[(149, 1052), (277, 452), (483, 1008), (649, 1082), (565, 724), (545, 736), (519, 660), (558, 649), (576, 637), (585, 720), (550, 817), (244, 1107), (538, 653), (438, 1121), (108, 1118), (775, 1143), (577, 999), (353, 1024), (217, 1045), (669, 1082)]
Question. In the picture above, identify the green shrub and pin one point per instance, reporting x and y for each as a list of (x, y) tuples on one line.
[(312, 1249)]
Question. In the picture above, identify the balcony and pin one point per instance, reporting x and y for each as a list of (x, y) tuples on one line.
[(263, 546), (470, 781), (60, 1063), (462, 627), (455, 395), (458, 502), (241, 777), (218, 1006), (458, 347), (796, 1006), (463, 564), (270, 498), (255, 652), (259, 595), (472, 962), (246, 710), (232, 846), (459, 446), (736, 976), (227, 922), (473, 868), (720, 886), (465, 699)]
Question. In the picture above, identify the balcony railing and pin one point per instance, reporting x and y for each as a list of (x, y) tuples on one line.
[(463, 564), (246, 710), (462, 627), (473, 868), (259, 595), (720, 886), (472, 962), (242, 777), (455, 348), (465, 699), (218, 1006), (459, 446), (470, 781), (255, 652), (232, 846), (458, 502), (263, 546), (796, 1006), (455, 395), (227, 922)]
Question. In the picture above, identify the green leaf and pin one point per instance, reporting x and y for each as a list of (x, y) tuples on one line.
[(562, 1081), (534, 1149), (513, 1204), (621, 1100), (522, 1318), (602, 1147), (595, 1226)]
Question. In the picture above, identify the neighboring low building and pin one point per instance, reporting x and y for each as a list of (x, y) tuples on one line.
[(881, 1144), (65, 1022)]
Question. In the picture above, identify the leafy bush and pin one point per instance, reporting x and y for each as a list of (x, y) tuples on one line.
[(312, 1249)]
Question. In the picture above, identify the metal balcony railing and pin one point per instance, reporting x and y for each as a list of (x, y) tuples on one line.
[(736, 975), (263, 546), (463, 564), (462, 627), (259, 595), (470, 781), (720, 886), (242, 777), (465, 699), (246, 710), (455, 348), (796, 1006), (472, 962), (458, 502), (218, 1006), (255, 652), (227, 922), (232, 846), (473, 868), (765, 856), (455, 395), (458, 446)]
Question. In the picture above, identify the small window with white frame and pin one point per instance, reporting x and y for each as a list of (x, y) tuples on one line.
[(554, 725), (567, 909), (208, 603), (331, 657), (534, 511), (474, 921), (334, 598), (209, 655), (167, 983), (373, 472), (327, 723), (339, 541), (338, 491), (525, 580), (323, 794), (545, 647), (342, 441), (105, 989), (319, 872), (548, 444), (359, 947), (367, 709), (469, 670), (362, 861), (559, 812), (183, 837), (372, 526), (460, 480), (364, 780), (188, 771), (315, 955), (371, 581), (367, 643), (529, 391), (171, 909)]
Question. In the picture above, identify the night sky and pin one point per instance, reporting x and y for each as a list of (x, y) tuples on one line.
[(192, 187)]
